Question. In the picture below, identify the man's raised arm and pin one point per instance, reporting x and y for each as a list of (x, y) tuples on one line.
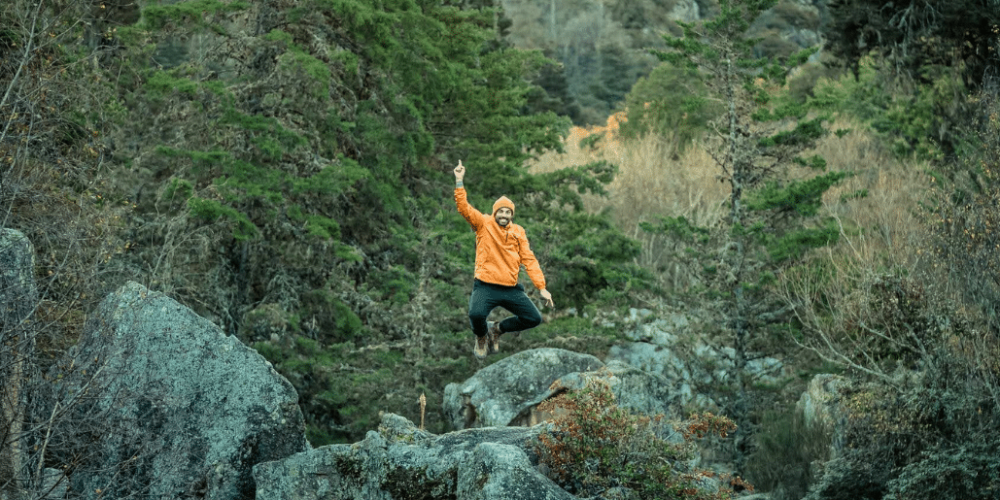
[(459, 174), (475, 217)]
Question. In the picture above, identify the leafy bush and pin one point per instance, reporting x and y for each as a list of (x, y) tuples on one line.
[(931, 429), (967, 472), (927, 430), (596, 445), (330, 316), (801, 85), (336, 399), (913, 119), (932, 437)]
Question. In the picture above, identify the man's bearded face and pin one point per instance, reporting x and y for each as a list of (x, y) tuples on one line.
[(504, 216)]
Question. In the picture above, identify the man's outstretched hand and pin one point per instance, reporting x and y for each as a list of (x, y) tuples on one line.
[(459, 172), (548, 298)]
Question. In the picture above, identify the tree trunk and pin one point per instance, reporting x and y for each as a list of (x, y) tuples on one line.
[(18, 298), (739, 320), (552, 21)]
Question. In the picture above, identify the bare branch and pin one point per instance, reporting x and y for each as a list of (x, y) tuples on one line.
[(20, 67)]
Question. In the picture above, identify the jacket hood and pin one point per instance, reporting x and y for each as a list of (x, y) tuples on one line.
[(503, 202)]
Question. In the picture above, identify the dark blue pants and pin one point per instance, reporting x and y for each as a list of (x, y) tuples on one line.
[(487, 296)]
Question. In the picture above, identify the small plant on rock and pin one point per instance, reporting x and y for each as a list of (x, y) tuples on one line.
[(595, 446)]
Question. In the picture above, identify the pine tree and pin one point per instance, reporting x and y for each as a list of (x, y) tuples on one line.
[(773, 220), (354, 110), (298, 188)]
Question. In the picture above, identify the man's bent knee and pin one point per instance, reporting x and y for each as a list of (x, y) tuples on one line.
[(532, 319)]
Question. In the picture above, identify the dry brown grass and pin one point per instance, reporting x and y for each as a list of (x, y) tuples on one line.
[(882, 230), (885, 228), (654, 180), (884, 234)]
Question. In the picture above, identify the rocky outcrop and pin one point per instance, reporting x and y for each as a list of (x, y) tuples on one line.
[(400, 462), (505, 391), (18, 298), (819, 404), (685, 10), (822, 405), (185, 410), (509, 391), (667, 347)]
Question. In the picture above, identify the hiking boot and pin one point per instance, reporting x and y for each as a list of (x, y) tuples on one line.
[(482, 347), (493, 335)]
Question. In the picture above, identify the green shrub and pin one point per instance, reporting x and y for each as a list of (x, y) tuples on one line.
[(270, 352), (672, 102), (929, 436), (965, 196), (802, 83), (913, 120), (330, 317), (968, 472)]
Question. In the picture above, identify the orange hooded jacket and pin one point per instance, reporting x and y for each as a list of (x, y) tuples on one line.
[(500, 251)]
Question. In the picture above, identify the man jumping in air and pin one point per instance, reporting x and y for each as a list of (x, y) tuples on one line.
[(501, 249)]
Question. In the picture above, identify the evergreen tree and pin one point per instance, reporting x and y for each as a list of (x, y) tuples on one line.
[(669, 103), (294, 188), (337, 141), (774, 216), (600, 58), (284, 170), (553, 94)]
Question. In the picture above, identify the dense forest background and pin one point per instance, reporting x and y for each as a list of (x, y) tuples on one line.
[(284, 168)]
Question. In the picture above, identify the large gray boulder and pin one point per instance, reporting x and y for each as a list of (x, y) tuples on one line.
[(185, 410), (504, 392), (400, 462), (508, 392), (662, 360), (634, 389), (658, 347)]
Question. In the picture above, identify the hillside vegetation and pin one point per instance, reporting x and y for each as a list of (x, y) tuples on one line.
[(284, 169), (602, 47)]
